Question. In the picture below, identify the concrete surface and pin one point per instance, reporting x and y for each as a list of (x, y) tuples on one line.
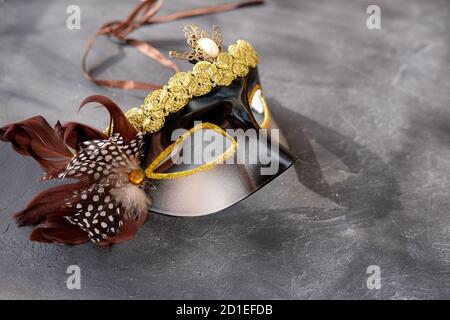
[(367, 111)]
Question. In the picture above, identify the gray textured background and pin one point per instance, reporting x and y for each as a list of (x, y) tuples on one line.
[(367, 111)]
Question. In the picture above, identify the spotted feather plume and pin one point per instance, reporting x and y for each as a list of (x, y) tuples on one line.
[(108, 203), (110, 197)]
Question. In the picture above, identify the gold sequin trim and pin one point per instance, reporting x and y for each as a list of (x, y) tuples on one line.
[(183, 86)]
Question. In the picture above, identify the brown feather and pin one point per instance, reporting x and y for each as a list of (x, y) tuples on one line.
[(55, 229), (129, 229), (119, 121), (36, 138), (52, 208), (48, 202), (73, 133)]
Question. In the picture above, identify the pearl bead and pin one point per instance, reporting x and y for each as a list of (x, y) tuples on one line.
[(209, 47)]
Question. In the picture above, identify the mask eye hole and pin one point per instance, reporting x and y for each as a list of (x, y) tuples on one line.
[(196, 158), (259, 107)]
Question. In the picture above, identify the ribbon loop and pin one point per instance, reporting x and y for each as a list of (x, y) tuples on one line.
[(143, 14)]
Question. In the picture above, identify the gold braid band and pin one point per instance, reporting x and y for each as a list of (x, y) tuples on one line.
[(183, 86)]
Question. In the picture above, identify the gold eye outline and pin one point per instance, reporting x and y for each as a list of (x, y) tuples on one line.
[(149, 172), (266, 121)]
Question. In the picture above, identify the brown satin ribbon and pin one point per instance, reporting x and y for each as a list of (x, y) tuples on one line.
[(144, 14)]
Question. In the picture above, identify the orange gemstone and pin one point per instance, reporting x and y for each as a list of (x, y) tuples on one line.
[(136, 176)]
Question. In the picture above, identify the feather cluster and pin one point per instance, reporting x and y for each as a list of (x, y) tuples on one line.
[(103, 205)]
